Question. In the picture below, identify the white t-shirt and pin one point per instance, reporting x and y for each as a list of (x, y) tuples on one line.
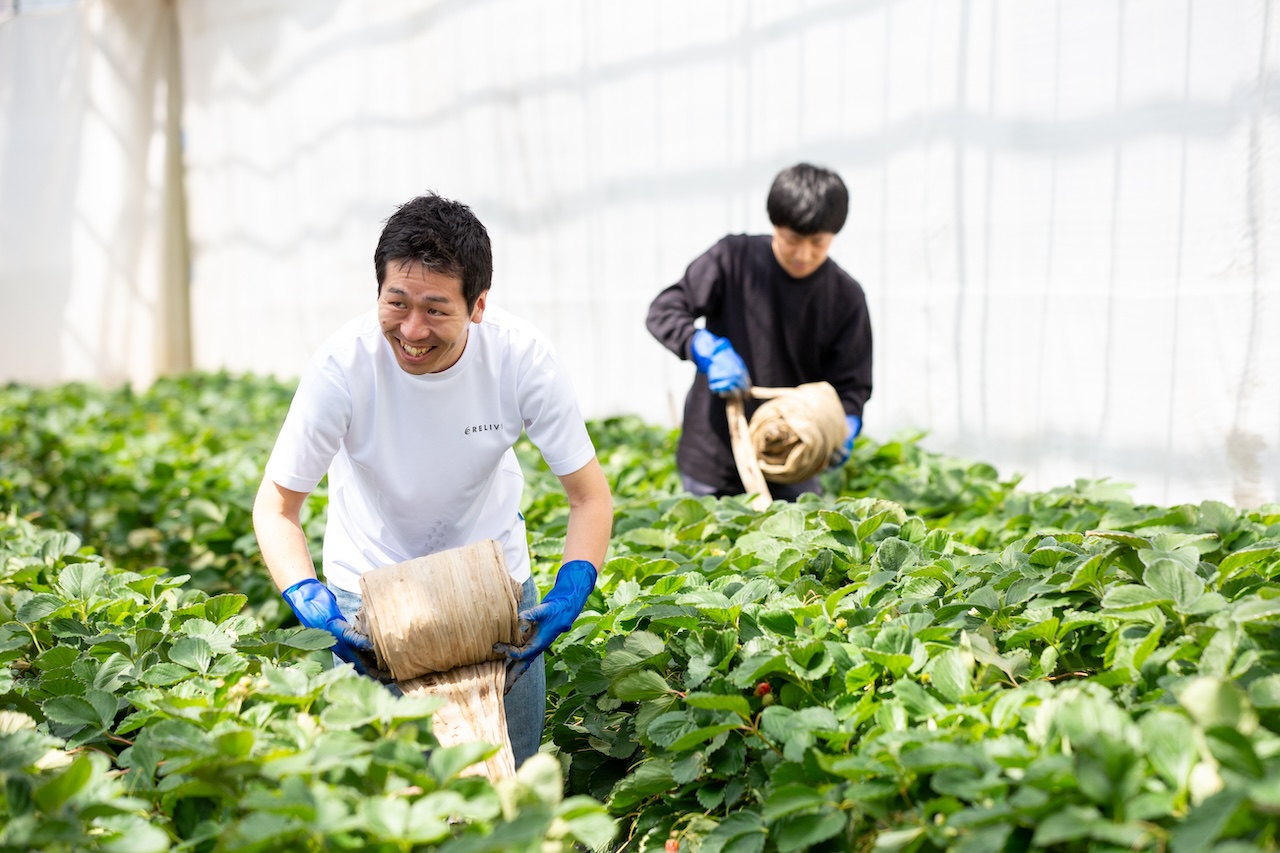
[(422, 464)]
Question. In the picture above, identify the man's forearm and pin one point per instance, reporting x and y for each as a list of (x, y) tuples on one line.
[(587, 535), (590, 514), (280, 538)]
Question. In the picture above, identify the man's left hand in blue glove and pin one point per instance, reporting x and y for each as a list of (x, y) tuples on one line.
[(542, 624), (316, 607), (841, 456)]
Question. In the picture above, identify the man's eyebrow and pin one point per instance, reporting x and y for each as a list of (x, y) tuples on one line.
[(431, 297)]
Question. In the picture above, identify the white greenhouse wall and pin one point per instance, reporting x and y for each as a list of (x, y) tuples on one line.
[(1064, 212)]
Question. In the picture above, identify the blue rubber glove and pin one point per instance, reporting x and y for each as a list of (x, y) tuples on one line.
[(542, 624), (716, 357), (314, 605), (842, 455)]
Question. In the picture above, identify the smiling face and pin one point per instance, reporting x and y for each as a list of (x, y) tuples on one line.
[(424, 317), (800, 254)]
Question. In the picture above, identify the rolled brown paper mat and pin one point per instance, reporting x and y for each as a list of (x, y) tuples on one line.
[(441, 611), (473, 711), (433, 621), (795, 431)]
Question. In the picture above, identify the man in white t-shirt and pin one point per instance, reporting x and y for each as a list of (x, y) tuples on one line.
[(412, 410)]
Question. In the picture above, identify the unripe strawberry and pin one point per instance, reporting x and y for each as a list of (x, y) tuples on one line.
[(763, 688), (672, 845), (767, 700)]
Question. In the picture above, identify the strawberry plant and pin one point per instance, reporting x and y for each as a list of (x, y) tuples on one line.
[(145, 714), (828, 676), (926, 658)]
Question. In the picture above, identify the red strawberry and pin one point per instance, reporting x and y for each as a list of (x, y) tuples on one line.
[(762, 688)]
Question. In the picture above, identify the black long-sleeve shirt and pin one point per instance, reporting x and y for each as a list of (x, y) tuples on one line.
[(788, 331)]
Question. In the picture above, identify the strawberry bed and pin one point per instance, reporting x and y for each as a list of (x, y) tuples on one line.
[(928, 658)]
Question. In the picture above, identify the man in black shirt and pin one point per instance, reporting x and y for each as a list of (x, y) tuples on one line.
[(778, 313)]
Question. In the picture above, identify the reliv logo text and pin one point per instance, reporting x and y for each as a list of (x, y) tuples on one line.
[(481, 428)]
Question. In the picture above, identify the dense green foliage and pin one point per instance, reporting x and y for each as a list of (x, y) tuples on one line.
[(925, 659), (170, 718)]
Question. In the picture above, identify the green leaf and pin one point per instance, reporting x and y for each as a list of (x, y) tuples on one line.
[(897, 839), (617, 663), (710, 796), (1203, 826), (894, 555), (1069, 823), (719, 702), (109, 675), (753, 590), (1257, 610), (790, 799), (639, 685), (701, 735), (52, 795), (1133, 541), (164, 674), (71, 711), (897, 664), (689, 768), (786, 523), (104, 705), (447, 762), (649, 536), (804, 831), (81, 580), (1173, 581), (1234, 751), (1245, 557), (588, 822), (917, 701), (740, 832), (870, 525), (306, 639), (56, 657), (135, 835), (1170, 743), (667, 728), (835, 521), (219, 608), (809, 661), (1265, 691), (59, 545), (652, 776), (38, 608), (1213, 702), (644, 644), (237, 744), (951, 673), (1133, 597), (193, 653), (1089, 572)]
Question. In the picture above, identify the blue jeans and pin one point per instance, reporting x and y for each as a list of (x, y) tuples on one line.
[(525, 705)]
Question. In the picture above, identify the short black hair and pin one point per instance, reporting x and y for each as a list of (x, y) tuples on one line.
[(442, 235), (808, 200)]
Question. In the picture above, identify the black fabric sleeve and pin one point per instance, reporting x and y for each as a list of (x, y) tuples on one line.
[(848, 354), (696, 294)]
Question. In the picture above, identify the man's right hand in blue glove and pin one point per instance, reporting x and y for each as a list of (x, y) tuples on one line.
[(716, 357), (315, 606), (550, 619)]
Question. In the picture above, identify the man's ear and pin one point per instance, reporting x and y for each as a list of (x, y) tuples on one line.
[(477, 313)]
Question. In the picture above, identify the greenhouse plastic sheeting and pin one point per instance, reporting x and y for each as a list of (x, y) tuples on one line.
[(92, 247), (1063, 213)]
